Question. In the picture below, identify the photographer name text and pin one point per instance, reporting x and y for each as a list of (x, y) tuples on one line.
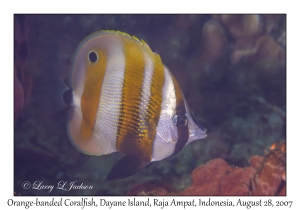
[(61, 185)]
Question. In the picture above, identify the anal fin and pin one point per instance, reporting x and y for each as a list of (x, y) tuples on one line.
[(126, 166)]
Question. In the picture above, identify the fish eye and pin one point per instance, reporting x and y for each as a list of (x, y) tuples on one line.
[(93, 57), (180, 120)]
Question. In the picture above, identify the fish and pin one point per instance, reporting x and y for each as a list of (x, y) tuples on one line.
[(124, 99)]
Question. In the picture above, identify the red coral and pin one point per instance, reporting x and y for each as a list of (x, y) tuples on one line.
[(269, 178), (265, 176), (218, 178)]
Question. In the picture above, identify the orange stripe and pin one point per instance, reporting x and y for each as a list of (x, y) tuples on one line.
[(91, 94), (137, 130), (132, 137)]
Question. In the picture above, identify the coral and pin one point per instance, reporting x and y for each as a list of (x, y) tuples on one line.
[(218, 178), (264, 48), (241, 26), (253, 37), (214, 42), (270, 175), (264, 176)]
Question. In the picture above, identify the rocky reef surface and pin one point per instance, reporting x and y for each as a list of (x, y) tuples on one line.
[(265, 176)]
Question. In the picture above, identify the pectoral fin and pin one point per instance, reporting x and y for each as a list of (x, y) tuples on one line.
[(126, 166)]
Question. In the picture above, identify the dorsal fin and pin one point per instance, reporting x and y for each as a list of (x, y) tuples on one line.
[(126, 166)]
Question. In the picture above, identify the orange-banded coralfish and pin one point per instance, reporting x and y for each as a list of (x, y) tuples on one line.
[(126, 100)]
